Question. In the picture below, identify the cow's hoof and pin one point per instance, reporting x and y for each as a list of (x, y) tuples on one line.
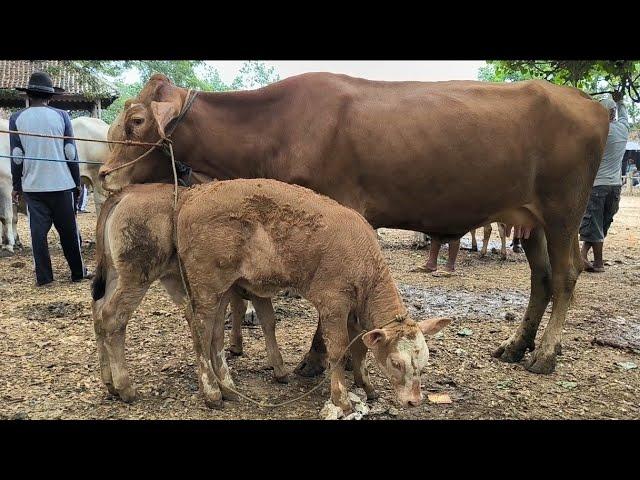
[(235, 351), (6, 253), (512, 350), (128, 395), (483, 254), (540, 362), (517, 249), (310, 366), (474, 248)]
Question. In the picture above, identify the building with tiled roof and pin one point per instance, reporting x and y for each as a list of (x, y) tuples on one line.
[(83, 93)]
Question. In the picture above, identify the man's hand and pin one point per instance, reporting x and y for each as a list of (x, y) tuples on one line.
[(15, 196), (617, 96)]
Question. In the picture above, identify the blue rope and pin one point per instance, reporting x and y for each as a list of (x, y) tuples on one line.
[(48, 159)]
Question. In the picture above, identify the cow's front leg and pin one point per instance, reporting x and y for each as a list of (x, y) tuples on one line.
[(315, 361)]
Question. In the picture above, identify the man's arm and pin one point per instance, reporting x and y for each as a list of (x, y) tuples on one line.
[(70, 152), (622, 114), (17, 152)]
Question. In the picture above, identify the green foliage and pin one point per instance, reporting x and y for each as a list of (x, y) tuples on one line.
[(593, 76), (184, 73)]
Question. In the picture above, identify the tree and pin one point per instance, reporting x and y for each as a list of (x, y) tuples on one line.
[(254, 75), (596, 77)]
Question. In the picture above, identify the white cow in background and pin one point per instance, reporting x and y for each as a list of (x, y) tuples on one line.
[(8, 211), (84, 127), (88, 127)]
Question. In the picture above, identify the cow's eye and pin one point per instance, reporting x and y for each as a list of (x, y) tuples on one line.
[(396, 364), (138, 121)]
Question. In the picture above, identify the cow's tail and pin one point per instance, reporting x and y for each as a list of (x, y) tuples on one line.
[(99, 283)]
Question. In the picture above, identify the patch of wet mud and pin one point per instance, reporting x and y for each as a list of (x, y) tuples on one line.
[(462, 303), (620, 332), (45, 311)]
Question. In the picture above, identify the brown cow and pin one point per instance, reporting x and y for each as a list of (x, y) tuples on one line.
[(435, 157)]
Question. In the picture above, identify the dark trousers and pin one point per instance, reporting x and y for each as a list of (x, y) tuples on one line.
[(57, 208)]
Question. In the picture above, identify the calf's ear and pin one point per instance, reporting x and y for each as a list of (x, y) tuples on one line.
[(374, 337), (431, 326), (164, 112)]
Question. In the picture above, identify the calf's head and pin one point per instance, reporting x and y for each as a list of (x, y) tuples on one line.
[(401, 352), (143, 119)]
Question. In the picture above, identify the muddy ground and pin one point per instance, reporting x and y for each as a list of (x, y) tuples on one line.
[(49, 369)]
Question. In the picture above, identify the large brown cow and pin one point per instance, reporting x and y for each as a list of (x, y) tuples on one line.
[(412, 155)]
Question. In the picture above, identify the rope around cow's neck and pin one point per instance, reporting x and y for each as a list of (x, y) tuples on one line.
[(397, 318)]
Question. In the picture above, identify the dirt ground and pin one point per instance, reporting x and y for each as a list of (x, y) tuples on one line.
[(49, 367)]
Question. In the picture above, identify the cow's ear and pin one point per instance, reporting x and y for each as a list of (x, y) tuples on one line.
[(374, 337), (431, 326), (164, 112)]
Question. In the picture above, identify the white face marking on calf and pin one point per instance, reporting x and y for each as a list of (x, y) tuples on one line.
[(414, 355)]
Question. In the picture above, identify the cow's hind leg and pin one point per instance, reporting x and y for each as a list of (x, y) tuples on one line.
[(474, 242), (566, 267), (513, 349), (267, 318)]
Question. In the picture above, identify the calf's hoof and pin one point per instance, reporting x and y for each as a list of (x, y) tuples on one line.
[(283, 378), (517, 249), (128, 395), (512, 350), (348, 365), (503, 256), (229, 395), (235, 351), (541, 362), (111, 389), (214, 404), (310, 366)]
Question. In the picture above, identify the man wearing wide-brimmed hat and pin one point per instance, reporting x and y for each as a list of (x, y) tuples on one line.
[(48, 187)]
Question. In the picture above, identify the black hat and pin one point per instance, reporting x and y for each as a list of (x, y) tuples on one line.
[(40, 82)]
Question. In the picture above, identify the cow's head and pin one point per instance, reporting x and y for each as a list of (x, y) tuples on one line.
[(401, 352), (143, 119)]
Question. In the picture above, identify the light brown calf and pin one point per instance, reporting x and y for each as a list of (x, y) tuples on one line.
[(135, 247), (264, 236)]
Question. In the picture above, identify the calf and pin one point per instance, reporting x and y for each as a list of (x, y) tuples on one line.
[(264, 236), (135, 247)]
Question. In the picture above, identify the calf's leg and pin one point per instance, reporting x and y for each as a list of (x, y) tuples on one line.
[(116, 312), (474, 242), (238, 310), (264, 309), (503, 241), (485, 240), (358, 355), (314, 362)]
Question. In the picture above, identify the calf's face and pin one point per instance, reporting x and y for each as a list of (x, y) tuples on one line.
[(402, 354)]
